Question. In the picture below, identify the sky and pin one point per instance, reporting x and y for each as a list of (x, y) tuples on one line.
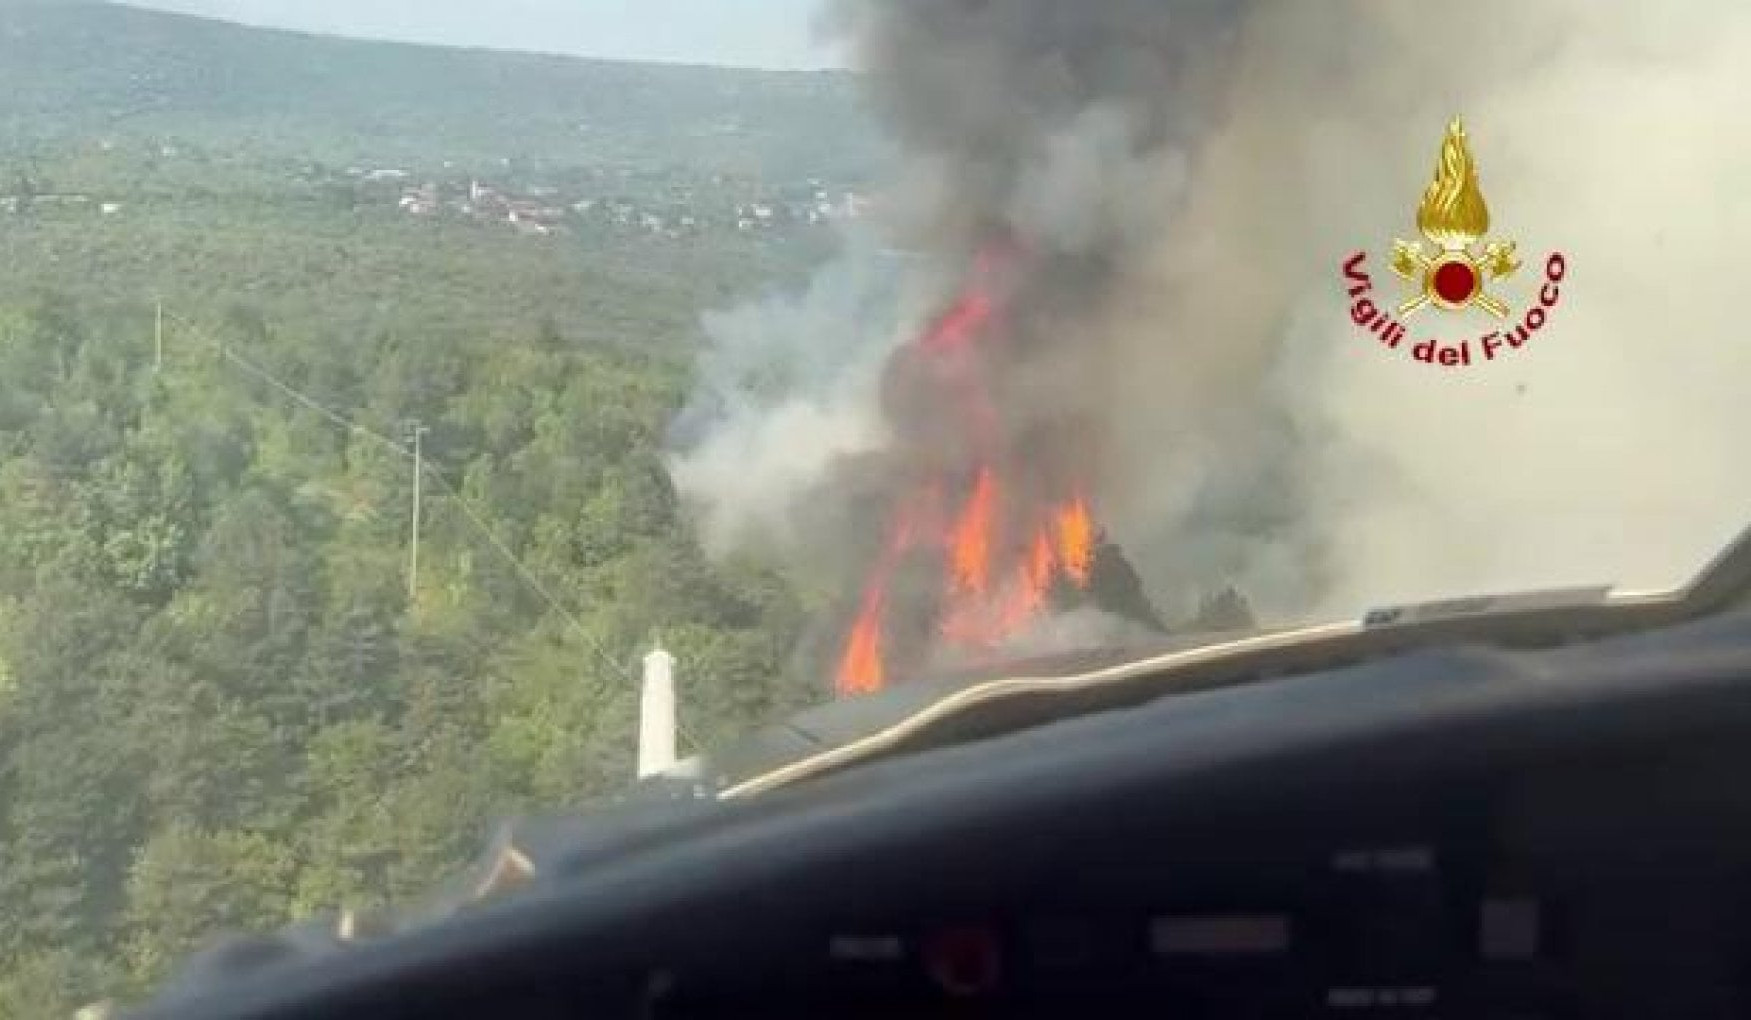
[(741, 33)]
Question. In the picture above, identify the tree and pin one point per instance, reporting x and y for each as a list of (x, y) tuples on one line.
[(219, 708), (52, 982), (190, 885)]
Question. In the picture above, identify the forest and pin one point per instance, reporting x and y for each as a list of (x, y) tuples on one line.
[(227, 701), (216, 686)]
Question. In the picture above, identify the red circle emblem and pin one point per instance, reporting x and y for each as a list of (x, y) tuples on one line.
[(1454, 282)]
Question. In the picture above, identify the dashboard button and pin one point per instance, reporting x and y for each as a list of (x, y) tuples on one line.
[(964, 962)]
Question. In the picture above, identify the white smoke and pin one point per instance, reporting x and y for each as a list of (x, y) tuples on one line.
[(787, 388), (1253, 433), (1607, 450)]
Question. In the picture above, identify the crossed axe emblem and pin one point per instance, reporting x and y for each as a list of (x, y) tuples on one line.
[(1452, 277)]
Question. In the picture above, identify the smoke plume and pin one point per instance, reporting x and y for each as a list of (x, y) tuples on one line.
[(1188, 178), (786, 394)]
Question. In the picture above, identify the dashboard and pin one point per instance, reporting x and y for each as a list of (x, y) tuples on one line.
[(1570, 888), (1450, 833)]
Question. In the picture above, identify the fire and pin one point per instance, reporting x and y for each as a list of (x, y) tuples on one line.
[(1005, 551), (1076, 540), (862, 670), (970, 546), (960, 325)]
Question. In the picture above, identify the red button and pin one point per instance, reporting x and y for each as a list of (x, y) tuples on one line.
[(964, 961)]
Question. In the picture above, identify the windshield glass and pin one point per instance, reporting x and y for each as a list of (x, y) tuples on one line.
[(418, 416)]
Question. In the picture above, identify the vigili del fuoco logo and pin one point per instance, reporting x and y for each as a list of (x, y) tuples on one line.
[(1457, 266)]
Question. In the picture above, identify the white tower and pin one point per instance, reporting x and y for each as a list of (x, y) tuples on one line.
[(656, 714)]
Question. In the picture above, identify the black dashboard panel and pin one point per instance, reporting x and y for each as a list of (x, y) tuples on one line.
[(1475, 833), (1572, 887)]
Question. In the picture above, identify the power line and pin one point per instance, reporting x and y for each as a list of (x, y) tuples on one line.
[(473, 516), (334, 416), (527, 575)]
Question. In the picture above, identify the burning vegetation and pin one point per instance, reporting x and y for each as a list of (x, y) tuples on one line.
[(1001, 529), (965, 485), (1047, 137), (1119, 216)]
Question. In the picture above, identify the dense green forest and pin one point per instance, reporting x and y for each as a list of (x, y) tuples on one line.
[(221, 705)]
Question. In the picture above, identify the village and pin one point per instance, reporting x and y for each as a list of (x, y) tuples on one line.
[(667, 206), (545, 209)]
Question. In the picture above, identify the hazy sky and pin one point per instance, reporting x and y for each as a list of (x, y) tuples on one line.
[(754, 33)]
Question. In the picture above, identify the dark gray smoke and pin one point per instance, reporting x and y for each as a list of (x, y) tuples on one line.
[(1065, 130), (1191, 174), (1061, 121)]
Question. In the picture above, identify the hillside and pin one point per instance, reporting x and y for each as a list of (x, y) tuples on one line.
[(227, 697), (167, 76)]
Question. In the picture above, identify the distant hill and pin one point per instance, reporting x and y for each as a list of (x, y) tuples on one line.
[(72, 70)]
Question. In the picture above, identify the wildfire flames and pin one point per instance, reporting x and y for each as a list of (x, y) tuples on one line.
[(1004, 550), (1054, 163)]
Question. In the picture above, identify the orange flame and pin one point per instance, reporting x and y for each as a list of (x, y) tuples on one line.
[(1060, 547), (1003, 562), (1076, 541), (970, 546), (861, 670), (983, 605)]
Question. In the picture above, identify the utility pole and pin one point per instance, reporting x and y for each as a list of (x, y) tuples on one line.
[(158, 337), (417, 432)]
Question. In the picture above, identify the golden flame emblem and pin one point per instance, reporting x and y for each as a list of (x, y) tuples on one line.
[(1450, 270)]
